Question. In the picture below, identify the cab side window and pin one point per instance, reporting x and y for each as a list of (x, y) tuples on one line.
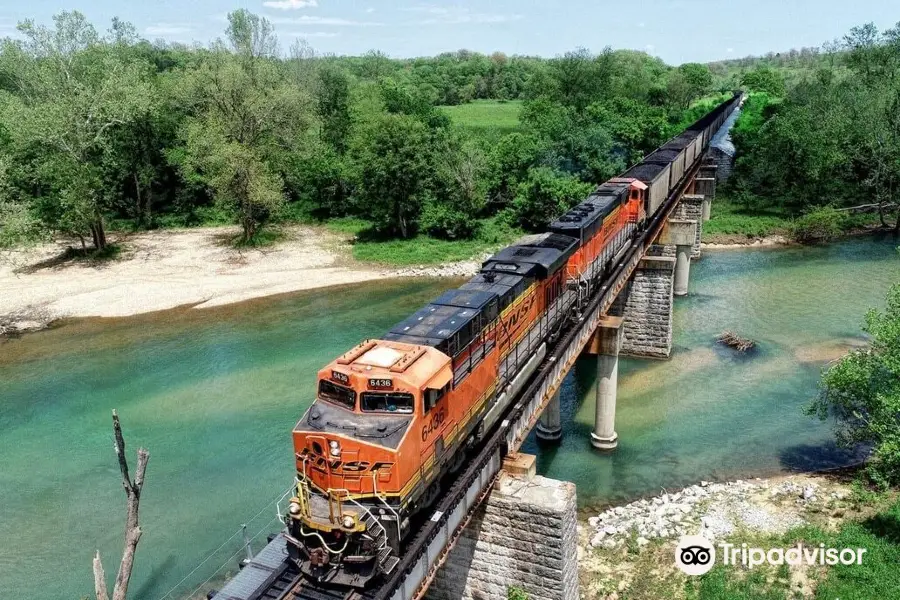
[(432, 396)]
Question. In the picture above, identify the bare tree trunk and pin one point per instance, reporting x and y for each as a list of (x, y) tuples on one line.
[(140, 206), (132, 525), (99, 579)]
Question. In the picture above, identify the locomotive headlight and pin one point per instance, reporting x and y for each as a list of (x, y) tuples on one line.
[(294, 508), (335, 448), (348, 522)]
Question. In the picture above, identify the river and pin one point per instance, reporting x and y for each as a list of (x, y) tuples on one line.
[(214, 394)]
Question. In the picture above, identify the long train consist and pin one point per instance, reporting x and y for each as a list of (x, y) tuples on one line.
[(394, 417)]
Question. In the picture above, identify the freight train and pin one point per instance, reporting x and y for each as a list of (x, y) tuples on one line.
[(396, 417)]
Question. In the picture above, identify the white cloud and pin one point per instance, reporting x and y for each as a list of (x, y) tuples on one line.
[(309, 20), (729, 50), (312, 34), (370, 10), (441, 15), (164, 29), (642, 24), (650, 47), (291, 4)]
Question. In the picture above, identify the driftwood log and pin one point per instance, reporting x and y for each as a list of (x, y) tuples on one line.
[(735, 341), (132, 525)]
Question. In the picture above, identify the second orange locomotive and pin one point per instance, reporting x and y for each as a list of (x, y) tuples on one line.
[(394, 416)]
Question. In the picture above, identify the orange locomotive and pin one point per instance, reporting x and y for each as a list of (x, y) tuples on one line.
[(393, 416)]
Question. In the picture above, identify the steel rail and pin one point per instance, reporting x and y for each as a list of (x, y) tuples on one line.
[(508, 434)]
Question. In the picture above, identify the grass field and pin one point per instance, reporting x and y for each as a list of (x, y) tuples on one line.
[(423, 250), (729, 218), (877, 577), (486, 116)]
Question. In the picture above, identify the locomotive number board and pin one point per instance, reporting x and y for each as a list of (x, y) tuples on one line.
[(381, 384), (340, 377)]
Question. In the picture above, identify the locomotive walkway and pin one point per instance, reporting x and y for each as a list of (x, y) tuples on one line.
[(631, 313)]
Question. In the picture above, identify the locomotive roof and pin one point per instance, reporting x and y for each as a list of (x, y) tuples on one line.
[(411, 363), (536, 255), (465, 298), (646, 172), (597, 206), (498, 283), (612, 188), (435, 322)]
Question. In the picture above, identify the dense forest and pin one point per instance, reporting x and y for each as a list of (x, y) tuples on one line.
[(108, 130), (832, 139)]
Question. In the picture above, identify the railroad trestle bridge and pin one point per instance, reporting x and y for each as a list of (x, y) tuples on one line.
[(629, 312)]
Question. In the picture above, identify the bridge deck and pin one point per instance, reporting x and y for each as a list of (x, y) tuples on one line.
[(430, 545)]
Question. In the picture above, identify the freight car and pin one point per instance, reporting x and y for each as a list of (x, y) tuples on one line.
[(395, 417)]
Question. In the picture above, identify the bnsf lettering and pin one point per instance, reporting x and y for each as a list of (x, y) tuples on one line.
[(324, 465), (436, 421), (517, 317)]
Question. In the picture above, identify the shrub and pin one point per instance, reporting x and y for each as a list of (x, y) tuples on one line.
[(514, 593), (819, 225), (862, 393), (545, 195), (440, 220)]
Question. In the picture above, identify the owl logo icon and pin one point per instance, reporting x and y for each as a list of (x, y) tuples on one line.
[(695, 555)]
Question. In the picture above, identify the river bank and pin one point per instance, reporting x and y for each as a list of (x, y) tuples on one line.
[(200, 268), (627, 551), (160, 270)]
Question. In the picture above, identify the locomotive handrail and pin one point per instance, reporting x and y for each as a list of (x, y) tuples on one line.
[(430, 543), (498, 440)]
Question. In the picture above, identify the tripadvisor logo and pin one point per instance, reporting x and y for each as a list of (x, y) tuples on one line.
[(696, 555)]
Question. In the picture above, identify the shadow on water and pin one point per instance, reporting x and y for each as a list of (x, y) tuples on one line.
[(156, 578), (821, 457)]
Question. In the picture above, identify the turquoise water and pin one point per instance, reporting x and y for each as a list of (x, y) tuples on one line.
[(214, 393)]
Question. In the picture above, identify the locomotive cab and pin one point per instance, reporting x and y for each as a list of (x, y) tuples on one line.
[(357, 465)]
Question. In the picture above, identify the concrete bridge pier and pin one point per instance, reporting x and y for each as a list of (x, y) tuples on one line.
[(607, 343), (690, 208), (549, 427), (682, 234), (706, 187), (646, 304), (524, 535)]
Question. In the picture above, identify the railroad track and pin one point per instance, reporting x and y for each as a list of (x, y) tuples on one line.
[(290, 585)]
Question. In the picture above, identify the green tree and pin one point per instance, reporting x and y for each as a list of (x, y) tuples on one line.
[(764, 79), (687, 83), (244, 118), (510, 158), (333, 105), (862, 393), (545, 195), (393, 158), (461, 195), (73, 90)]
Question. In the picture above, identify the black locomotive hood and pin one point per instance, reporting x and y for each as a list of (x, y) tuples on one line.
[(376, 428)]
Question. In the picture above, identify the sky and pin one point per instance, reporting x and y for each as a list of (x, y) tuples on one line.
[(675, 30)]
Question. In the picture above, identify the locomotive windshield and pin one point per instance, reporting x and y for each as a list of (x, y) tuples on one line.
[(337, 394), (387, 402)]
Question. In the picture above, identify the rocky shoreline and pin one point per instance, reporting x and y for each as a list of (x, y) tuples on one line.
[(616, 545), (708, 509)]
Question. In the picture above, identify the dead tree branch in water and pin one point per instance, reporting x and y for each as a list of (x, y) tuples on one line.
[(733, 340), (132, 525)]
